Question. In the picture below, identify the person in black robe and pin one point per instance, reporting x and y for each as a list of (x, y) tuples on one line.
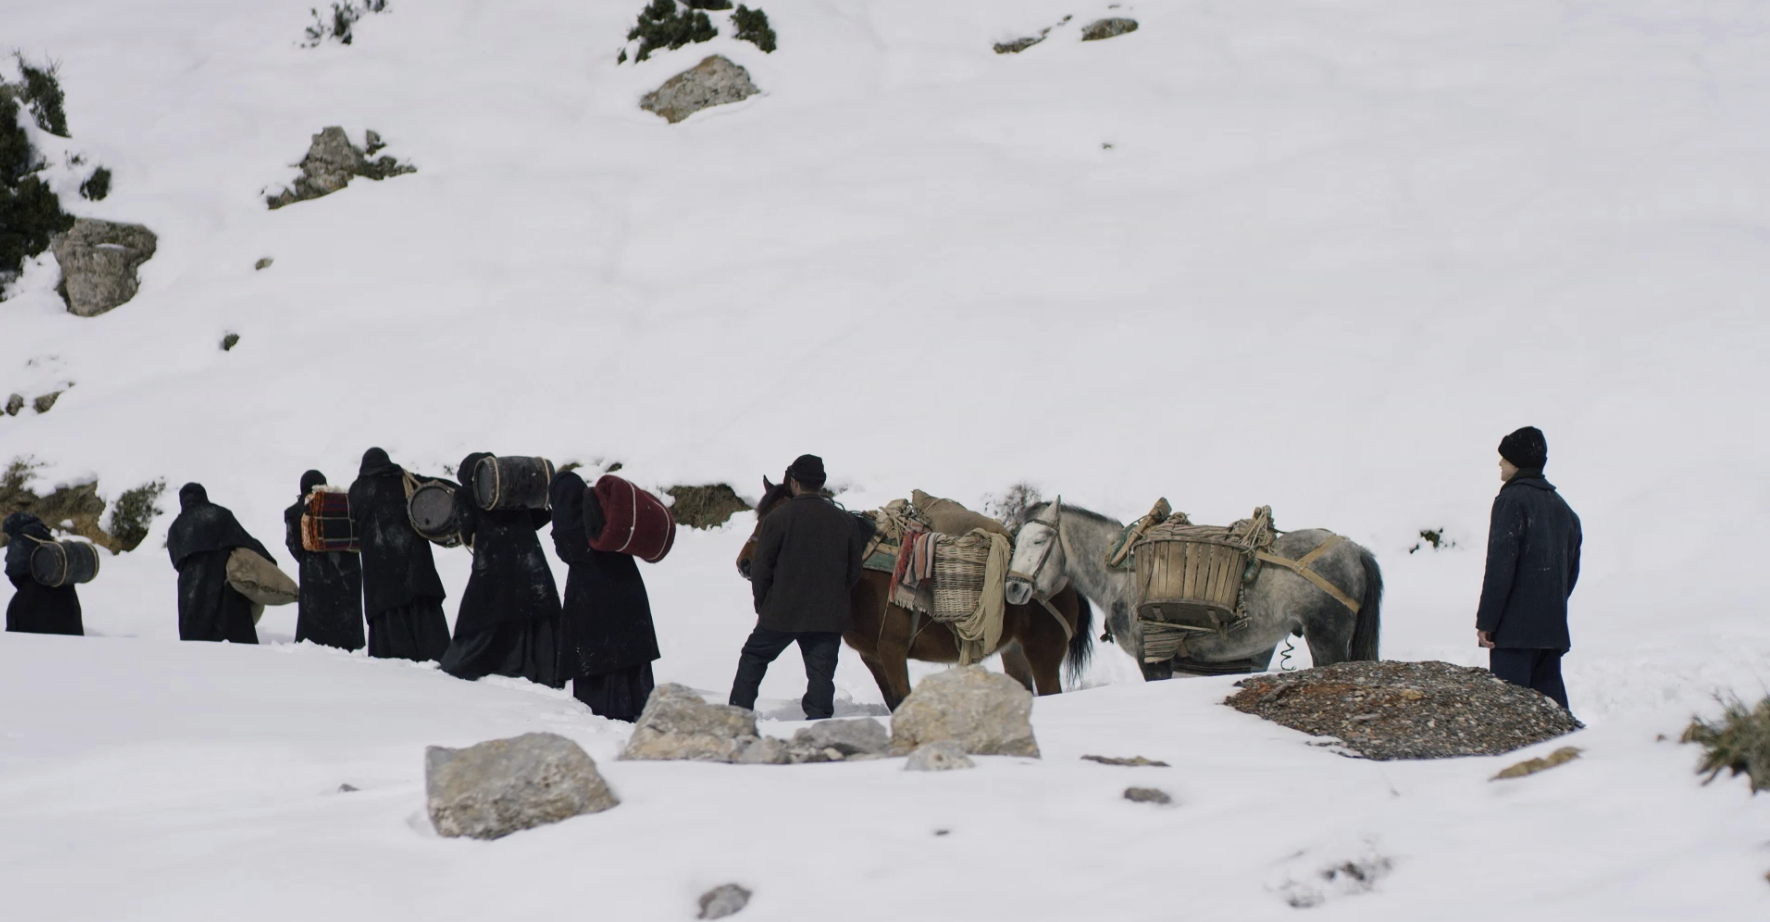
[(35, 608), (402, 595), (331, 602), (509, 619), (199, 542), (607, 642)]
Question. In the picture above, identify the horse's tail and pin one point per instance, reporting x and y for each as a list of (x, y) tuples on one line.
[(1081, 643), (1370, 610)]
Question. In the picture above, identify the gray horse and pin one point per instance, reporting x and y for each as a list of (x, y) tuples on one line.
[(1057, 545)]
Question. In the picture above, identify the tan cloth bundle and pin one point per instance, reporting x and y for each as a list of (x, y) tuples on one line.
[(259, 580)]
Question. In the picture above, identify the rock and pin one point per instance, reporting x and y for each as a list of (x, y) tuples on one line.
[(43, 403), (987, 713), (98, 261), (330, 164), (859, 737), (14, 404), (940, 756), (723, 901), (1020, 44), (715, 81), (348, 788), (263, 264), (1147, 796), (1560, 756), (503, 786), (677, 725), (1133, 762), (1107, 28)]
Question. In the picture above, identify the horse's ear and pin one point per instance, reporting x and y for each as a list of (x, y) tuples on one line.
[(1057, 509), (767, 487)]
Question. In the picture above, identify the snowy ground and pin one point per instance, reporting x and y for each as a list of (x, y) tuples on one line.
[(1304, 253)]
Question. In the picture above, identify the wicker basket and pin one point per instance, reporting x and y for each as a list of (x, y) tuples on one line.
[(959, 565), (1190, 577)]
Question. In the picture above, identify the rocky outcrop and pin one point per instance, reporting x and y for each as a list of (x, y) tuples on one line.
[(722, 901), (98, 262), (715, 81), (332, 161), (1108, 28), (1148, 796), (985, 712), (499, 787), (677, 725), (942, 756), (15, 403)]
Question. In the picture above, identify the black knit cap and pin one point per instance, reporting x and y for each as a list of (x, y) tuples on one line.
[(1526, 449), (807, 470)]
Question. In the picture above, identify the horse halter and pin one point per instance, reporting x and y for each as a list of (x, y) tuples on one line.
[(1044, 558)]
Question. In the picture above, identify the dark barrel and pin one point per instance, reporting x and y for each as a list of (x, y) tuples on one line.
[(432, 512), (502, 484), (64, 563)]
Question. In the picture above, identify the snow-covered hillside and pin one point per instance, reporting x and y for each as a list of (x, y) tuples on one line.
[(1306, 253)]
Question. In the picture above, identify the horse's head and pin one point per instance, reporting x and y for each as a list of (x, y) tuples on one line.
[(1038, 568), (774, 495)]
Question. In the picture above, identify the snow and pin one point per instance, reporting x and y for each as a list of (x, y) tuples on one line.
[(1304, 253)]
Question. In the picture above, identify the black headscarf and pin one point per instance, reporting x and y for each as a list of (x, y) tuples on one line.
[(377, 464), (18, 550), (310, 480), (202, 527)]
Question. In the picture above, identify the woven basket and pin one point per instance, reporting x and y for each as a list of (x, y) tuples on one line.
[(959, 565), (1189, 576)]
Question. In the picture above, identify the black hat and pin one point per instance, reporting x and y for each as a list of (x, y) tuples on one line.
[(807, 471), (1526, 449)]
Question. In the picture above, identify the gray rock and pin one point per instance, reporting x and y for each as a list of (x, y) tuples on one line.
[(98, 261), (503, 786), (263, 264), (14, 404), (942, 756), (858, 737), (715, 81), (1107, 28), (987, 713), (723, 901), (1020, 44), (1148, 796), (677, 725), (330, 164), (44, 403)]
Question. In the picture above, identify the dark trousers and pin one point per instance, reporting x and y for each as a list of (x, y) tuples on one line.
[(820, 650), (1539, 670)]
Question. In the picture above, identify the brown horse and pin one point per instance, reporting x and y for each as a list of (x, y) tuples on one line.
[(1034, 645)]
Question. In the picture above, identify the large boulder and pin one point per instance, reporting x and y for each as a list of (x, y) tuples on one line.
[(332, 161), (677, 725), (499, 787), (98, 261), (985, 712), (713, 82)]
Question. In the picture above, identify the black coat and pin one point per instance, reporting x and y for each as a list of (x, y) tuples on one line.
[(397, 565), (511, 579), (1533, 548), (35, 608), (201, 539), (807, 559), (607, 624), (331, 602)]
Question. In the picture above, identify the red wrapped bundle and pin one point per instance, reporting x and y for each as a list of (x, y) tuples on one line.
[(326, 525), (634, 521)]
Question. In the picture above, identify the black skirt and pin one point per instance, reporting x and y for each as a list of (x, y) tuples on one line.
[(618, 695), (419, 631), (519, 649)]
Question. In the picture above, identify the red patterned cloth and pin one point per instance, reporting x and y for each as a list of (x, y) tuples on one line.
[(634, 521)]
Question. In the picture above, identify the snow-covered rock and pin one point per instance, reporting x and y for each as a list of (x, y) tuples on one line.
[(677, 725), (1108, 28), (861, 736), (723, 900), (986, 713), (98, 260), (332, 161), (499, 787), (938, 756), (715, 81)]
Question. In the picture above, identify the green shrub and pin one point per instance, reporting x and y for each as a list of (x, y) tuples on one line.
[(29, 216), (752, 27), (1739, 742), (662, 25), (43, 93), (96, 186), (229, 341), (17, 159), (133, 512), (708, 4)]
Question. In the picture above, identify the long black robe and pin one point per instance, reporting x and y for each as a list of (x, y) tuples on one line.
[(331, 600), (35, 608), (509, 618), (402, 595), (608, 642), (199, 543)]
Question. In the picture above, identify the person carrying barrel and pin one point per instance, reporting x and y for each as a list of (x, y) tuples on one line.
[(200, 541), (402, 594), (607, 641), (35, 608), (808, 557), (330, 608)]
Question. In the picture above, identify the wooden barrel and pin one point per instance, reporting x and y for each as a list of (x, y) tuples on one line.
[(1192, 581), (64, 563), (501, 484), (432, 513)]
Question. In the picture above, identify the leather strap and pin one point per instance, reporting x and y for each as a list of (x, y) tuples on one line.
[(1069, 633), (1301, 568)]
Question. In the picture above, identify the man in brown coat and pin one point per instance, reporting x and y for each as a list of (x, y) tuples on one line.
[(807, 560)]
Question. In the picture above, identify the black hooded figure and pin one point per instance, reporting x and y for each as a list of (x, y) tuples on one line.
[(35, 608), (509, 619), (402, 595), (331, 601), (199, 542), (607, 643)]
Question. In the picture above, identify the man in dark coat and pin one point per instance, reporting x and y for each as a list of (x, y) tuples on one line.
[(402, 595), (199, 542), (509, 619), (607, 640), (35, 608), (808, 556), (1533, 550), (331, 601)]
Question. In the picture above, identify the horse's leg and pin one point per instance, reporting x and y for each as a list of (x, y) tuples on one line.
[(1015, 665), (878, 670), (1155, 672), (1042, 642), (893, 653)]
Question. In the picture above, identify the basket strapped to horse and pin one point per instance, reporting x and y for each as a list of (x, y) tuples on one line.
[(325, 522), (502, 484), (969, 575), (430, 507), (634, 521), (63, 563)]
